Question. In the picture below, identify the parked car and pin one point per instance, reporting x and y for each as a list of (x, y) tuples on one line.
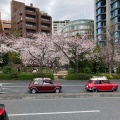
[(44, 85), (3, 113), (100, 84)]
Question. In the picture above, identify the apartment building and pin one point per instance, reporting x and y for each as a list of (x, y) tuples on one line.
[(83, 27), (28, 19), (107, 14), (59, 25), (5, 27)]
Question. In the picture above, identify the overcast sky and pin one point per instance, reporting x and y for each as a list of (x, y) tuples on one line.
[(58, 9)]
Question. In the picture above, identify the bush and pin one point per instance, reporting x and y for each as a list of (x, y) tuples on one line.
[(87, 70), (4, 76), (13, 74), (70, 70), (78, 76), (24, 69), (6, 69), (30, 76), (105, 74)]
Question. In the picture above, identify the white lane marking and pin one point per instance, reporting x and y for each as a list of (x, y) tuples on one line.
[(53, 113), (5, 88), (27, 86), (7, 83), (15, 86), (4, 92)]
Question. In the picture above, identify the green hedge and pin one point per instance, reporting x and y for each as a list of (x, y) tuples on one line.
[(83, 76), (4, 76), (78, 76), (24, 76)]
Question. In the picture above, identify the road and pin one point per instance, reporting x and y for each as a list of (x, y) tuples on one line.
[(68, 86), (63, 109)]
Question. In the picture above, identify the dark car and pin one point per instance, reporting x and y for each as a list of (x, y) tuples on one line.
[(44, 85), (100, 84), (3, 113)]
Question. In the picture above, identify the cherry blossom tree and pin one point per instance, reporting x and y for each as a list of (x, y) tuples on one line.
[(51, 50), (37, 50), (110, 52), (73, 48), (4, 48)]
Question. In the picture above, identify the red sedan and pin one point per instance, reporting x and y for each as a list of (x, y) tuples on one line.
[(3, 113), (44, 85), (100, 84)]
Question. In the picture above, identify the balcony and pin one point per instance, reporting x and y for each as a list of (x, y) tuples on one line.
[(31, 27), (29, 12), (20, 13), (45, 21), (28, 19)]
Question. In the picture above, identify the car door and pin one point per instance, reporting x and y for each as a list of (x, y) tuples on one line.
[(48, 85), (38, 85), (106, 85), (98, 85)]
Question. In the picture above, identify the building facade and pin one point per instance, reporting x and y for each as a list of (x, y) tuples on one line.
[(59, 25), (5, 27), (107, 16), (28, 19), (82, 27)]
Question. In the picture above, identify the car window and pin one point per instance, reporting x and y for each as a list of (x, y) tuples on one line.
[(98, 82), (39, 82), (46, 81), (105, 82), (90, 81), (36, 82)]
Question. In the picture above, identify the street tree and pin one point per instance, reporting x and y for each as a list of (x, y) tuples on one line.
[(74, 48)]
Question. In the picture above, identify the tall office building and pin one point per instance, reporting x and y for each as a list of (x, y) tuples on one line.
[(28, 19), (59, 25), (83, 27), (107, 14)]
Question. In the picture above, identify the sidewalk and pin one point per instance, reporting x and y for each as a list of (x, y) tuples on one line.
[(58, 96)]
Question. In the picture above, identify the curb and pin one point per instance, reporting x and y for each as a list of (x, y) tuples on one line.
[(57, 96)]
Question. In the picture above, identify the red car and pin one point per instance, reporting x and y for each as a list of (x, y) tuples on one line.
[(100, 84), (3, 113), (44, 85)]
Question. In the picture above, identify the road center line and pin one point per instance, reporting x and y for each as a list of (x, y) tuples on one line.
[(54, 113)]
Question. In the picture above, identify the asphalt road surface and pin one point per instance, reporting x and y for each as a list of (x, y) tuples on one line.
[(63, 109), (68, 86)]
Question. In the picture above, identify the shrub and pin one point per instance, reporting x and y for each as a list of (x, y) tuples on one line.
[(70, 70), (6, 69), (78, 76), (87, 70), (13, 74), (30, 76), (24, 69), (105, 74), (4, 76)]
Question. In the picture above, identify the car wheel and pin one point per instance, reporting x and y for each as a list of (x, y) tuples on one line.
[(114, 89), (33, 91), (94, 90), (57, 90)]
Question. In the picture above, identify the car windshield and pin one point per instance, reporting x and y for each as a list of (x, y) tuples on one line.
[(90, 81)]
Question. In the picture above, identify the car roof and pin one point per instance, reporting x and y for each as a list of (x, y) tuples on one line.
[(99, 78), (42, 78)]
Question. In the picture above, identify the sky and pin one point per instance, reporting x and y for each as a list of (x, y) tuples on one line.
[(58, 9)]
